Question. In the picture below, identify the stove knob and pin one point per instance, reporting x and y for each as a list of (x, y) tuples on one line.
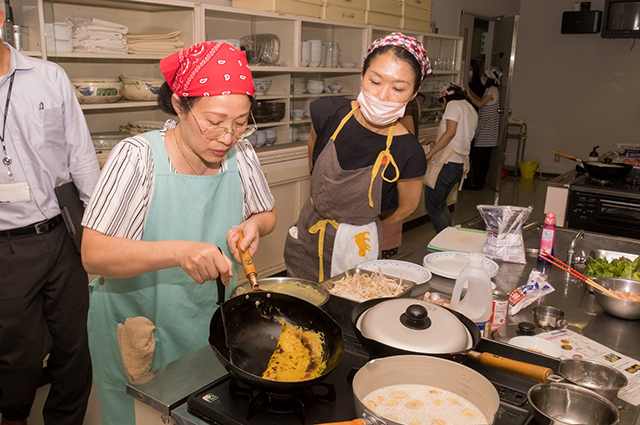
[(526, 328)]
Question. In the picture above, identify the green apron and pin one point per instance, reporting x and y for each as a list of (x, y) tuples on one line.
[(183, 207)]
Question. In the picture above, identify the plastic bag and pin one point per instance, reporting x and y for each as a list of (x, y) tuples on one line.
[(536, 287), (504, 232)]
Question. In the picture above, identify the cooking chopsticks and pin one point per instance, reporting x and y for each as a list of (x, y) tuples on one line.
[(556, 262)]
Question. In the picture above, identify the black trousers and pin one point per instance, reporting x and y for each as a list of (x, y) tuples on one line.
[(481, 159), (44, 300)]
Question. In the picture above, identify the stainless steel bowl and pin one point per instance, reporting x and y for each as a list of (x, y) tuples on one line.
[(614, 306), (568, 404), (592, 375), (300, 288), (548, 317)]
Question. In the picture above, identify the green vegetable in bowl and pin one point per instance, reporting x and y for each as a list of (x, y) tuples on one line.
[(618, 267)]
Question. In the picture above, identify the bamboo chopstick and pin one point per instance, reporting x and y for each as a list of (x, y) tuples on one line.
[(556, 262)]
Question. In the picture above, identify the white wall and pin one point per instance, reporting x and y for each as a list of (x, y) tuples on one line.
[(447, 12), (574, 91)]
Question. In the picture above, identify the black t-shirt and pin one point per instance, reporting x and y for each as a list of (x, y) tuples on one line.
[(358, 147)]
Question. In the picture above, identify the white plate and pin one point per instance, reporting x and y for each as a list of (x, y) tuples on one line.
[(401, 269), (535, 343), (450, 264)]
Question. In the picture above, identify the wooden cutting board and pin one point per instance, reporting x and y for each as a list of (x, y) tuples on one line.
[(459, 239)]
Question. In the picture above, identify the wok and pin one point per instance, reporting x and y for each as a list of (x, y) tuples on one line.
[(601, 170), (244, 333)]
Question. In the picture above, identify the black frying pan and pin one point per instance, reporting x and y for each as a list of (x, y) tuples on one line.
[(601, 170), (252, 335)]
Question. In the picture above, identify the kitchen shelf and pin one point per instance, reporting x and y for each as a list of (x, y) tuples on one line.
[(96, 56), (121, 104), (314, 95)]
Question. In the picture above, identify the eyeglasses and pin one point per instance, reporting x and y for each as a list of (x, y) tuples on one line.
[(218, 132)]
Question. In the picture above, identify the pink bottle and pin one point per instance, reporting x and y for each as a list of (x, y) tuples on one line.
[(548, 239)]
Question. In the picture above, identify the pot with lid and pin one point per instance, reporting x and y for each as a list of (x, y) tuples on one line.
[(393, 326)]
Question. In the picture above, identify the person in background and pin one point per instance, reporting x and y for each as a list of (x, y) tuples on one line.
[(366, 166), (448, 157), (161, 223), (488, 126), (475, 82), (43, 288), (392, 235)]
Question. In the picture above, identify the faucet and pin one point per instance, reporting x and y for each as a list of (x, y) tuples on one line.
[(572, 246)]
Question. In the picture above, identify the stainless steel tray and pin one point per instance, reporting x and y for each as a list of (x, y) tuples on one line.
[(330, 283)]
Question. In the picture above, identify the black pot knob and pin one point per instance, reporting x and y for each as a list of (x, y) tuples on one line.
[(416, 316)]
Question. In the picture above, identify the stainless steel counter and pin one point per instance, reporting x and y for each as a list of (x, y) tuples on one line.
[(582, 311), (170, 386)]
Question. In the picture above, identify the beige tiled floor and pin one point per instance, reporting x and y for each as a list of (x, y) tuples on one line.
[(514, 191)]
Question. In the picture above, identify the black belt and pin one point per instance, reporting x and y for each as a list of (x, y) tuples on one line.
[(34, 229)]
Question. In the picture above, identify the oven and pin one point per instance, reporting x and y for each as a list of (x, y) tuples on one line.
[(602, 209)]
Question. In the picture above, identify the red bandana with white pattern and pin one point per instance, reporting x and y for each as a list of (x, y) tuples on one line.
[(208, 69)]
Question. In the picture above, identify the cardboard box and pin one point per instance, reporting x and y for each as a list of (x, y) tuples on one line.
[(345, 14), (422, 4), (415, 25), (352, 4), (416, 13), (391, 7), (311, 8), (382, 19)]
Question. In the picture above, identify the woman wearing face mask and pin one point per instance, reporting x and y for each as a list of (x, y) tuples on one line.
[(366, 167), (488, 125)]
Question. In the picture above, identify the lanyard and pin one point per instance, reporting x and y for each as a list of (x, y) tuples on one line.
[(6, 159)]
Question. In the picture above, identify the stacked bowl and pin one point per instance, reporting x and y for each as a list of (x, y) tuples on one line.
[(315, 86)]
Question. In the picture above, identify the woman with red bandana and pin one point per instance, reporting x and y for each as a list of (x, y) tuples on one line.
[(161, 223), (367, 168)]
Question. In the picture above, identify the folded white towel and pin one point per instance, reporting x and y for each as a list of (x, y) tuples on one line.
[(96, 35), (154, 32), (96, 24)]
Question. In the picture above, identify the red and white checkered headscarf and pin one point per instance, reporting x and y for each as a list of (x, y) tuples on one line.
[(208, 69), (410, 44)]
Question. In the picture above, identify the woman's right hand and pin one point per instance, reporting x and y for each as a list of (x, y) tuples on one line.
[(204, 261)]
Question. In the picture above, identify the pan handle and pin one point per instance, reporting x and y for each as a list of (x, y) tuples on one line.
[(527, 370), (247, 262), (220, 285), (353, 422), (566, 155)]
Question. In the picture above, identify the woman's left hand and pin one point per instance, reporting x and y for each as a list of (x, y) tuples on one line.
[(251, 235)]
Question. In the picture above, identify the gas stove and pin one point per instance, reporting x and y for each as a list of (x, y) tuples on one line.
[(611, 207), (227, 402)]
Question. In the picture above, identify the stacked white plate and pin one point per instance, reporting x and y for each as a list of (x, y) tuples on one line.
[(400, 269), (331, 54), (305, 59), (450, 264), (316, 53)]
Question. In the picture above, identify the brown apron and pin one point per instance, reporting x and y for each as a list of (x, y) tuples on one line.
[(337, 196)]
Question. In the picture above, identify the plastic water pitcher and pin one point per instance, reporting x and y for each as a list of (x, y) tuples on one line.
[(478, 300)]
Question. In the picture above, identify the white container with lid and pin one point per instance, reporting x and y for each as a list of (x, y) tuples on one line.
[(478, 300)]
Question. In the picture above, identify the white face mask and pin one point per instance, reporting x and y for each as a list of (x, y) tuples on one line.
[(470, 74), (379, 112)]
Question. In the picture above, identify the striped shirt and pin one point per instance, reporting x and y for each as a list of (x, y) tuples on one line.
[(120, 201), (488, 121)]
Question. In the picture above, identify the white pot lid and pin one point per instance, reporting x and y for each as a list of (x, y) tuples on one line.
[(415, 325)]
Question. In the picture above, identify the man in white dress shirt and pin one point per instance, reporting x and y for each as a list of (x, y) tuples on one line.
[(44, 296)]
